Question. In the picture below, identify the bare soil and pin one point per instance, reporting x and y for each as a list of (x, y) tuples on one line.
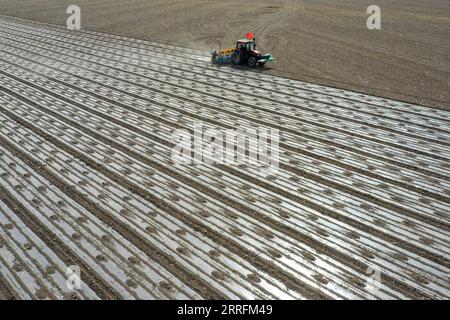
[(321, 41)]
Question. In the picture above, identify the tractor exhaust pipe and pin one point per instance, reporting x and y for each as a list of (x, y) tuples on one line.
[(254, 41)]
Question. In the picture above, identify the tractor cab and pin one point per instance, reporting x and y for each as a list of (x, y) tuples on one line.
[(246, 53)]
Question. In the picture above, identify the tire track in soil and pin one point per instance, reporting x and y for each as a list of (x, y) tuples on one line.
[(264, 265), (95, 282), (254, 259), (37, 269), (152, 252), (254, 106), (290, 168)]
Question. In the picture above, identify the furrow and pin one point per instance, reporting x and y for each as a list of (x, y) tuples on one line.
[(356, 205), (6, 293), (320, 107), (289, 281), (202, 288), (389, 152), (392, 205), (64, 253), (294, 147), (143, 47), (268, 110), (261, 217), (87, 151)]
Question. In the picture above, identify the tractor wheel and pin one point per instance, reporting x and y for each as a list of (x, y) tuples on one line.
[(236, 58), (252, 62)]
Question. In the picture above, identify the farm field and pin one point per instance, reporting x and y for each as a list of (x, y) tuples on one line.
[(363, 184), (319, 41)]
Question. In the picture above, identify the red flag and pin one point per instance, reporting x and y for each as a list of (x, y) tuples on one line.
[(250, 35)]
